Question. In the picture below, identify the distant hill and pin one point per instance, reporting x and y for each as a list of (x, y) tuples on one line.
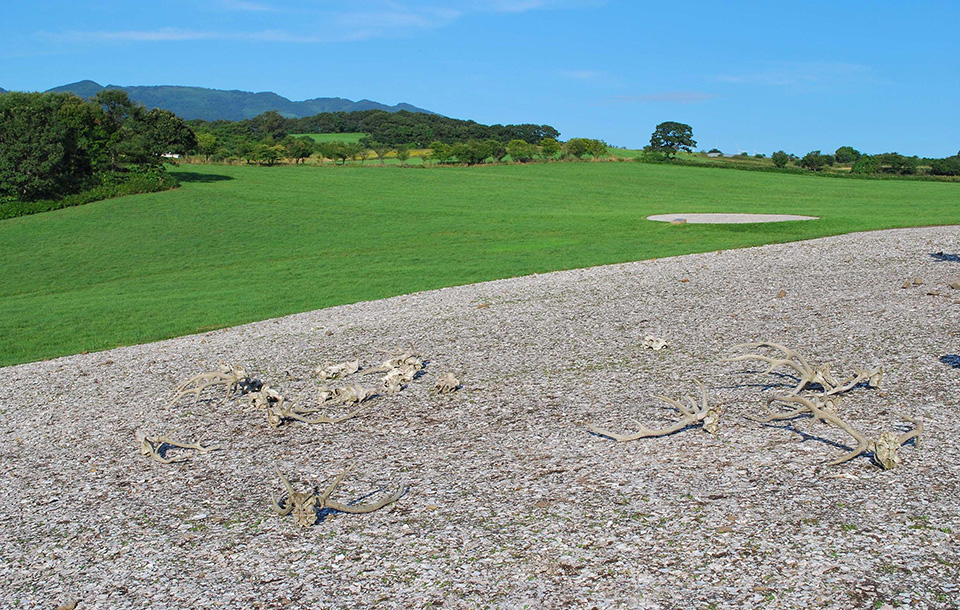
[(2, 90), (214, 104)]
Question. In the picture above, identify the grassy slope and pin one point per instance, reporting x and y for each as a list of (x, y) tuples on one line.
[(237, 244)]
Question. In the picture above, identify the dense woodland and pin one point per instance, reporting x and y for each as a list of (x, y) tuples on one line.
[(56, 145)]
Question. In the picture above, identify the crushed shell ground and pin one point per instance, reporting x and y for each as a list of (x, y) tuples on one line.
[(510, 502)]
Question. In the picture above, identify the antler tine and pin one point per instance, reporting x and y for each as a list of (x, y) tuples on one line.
[(278, 503), (806, 407), (913, 434), (690, 415), (367, 508), (863, 443), (336, 481)]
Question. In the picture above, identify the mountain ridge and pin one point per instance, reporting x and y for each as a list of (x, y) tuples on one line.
[(230, 105)]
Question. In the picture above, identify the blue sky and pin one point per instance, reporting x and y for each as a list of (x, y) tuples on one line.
[(798, 76)]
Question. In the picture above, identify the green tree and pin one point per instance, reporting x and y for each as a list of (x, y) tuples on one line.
[(380, 149), (671, 137), (441, 151), (949, 166), (403, 153), (815, 161), (866, 165), (895, 163), (846, 154), (206, 145), (520, 151), (577, 147), (496, 149), (33, 147), (549, 148), (596, 148), (780, 158), (300, 148)]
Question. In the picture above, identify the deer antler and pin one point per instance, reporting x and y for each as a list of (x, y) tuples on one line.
[(884, 449), (225, 375), (691, 413), (304, 505), (809, 375), (155, 448)]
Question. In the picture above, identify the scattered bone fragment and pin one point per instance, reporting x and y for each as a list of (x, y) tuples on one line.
[(408, 359), (691, 413), (446, 384), (392, 382), (352, 394), (330, 370), (225, 375), (955, 284), (156, 447), (654, 343), (278, 412), (305, 505)]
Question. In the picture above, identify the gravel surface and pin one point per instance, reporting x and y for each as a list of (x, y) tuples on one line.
[(725, 219), (510, 502)]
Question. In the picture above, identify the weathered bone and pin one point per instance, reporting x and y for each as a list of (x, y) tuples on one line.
[(691, 414), (809, 375), (231, 377), (446, 384), (884, 449), (352, 394), (277, 411), (155, 447), (336, 371), (392, 382), (304, 505), (654, 343), (405, 359)]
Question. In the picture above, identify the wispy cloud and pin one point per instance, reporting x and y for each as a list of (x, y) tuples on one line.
[(243, 5), (580, 74), (798, 74), (664, 97), (313, 24)]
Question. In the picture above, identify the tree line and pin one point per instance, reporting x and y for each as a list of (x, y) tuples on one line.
[(56, 144), (394, 129)]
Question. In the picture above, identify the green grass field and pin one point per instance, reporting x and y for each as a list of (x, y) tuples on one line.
[(332, 137), (236, 244)]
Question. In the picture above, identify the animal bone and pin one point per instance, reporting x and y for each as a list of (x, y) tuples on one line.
[(405, 359), (336, 371), (155, 448), (277, 411), (884, 449), (810, 375), (691, 413), (392, 382), (224, 375), (305, 505), (352, 394), (446, 384), (654, 343)]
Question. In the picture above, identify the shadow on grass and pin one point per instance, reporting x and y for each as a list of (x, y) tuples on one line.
[(201, 178), (949, 258)]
